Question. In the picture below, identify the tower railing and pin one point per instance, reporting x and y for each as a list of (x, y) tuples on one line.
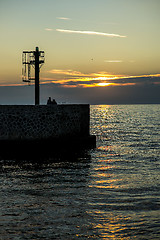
[(35, 60)]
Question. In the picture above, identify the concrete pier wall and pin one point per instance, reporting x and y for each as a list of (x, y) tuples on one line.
[(27, 122)]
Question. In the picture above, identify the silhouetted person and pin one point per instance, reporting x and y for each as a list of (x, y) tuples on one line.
[(54, 101), (51, 102)]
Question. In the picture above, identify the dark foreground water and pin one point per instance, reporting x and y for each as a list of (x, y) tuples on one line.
[(112, 192)]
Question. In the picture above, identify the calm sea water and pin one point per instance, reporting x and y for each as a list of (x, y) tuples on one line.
[(111, 192)]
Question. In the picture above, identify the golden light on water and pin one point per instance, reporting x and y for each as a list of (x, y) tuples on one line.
[(107, 224), (110, 228)]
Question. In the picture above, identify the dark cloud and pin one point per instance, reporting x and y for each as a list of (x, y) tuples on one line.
[(74, 81), (138, 80), (145, 92)]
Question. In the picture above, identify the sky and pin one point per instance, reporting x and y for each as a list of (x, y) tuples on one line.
[(96, 51)]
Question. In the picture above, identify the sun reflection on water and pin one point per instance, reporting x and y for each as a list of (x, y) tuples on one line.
[(124, 172), (110, 226), (102, 178)]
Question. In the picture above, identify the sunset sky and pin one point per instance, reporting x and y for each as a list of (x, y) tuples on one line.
[(102, 51)]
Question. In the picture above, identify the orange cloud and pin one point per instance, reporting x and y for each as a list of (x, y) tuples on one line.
[(72, 78), (69, 78), (66, 72)]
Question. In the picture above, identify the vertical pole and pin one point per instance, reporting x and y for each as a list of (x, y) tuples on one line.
[(36, 76)]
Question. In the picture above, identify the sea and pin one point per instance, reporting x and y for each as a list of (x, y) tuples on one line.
[(110, 192)]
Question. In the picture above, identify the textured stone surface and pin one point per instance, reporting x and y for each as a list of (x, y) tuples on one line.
[(44, 121)]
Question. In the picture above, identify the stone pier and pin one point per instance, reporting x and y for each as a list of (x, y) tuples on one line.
[(45, 128)]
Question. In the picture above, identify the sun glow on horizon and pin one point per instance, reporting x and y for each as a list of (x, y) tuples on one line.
[(104, 84), (68, 78)]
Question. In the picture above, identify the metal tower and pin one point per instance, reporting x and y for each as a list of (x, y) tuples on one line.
[(36, 60)]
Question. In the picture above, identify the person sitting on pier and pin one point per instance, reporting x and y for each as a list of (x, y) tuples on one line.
[(51, 102)]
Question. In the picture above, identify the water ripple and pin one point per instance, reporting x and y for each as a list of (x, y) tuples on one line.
[(111, 192)]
